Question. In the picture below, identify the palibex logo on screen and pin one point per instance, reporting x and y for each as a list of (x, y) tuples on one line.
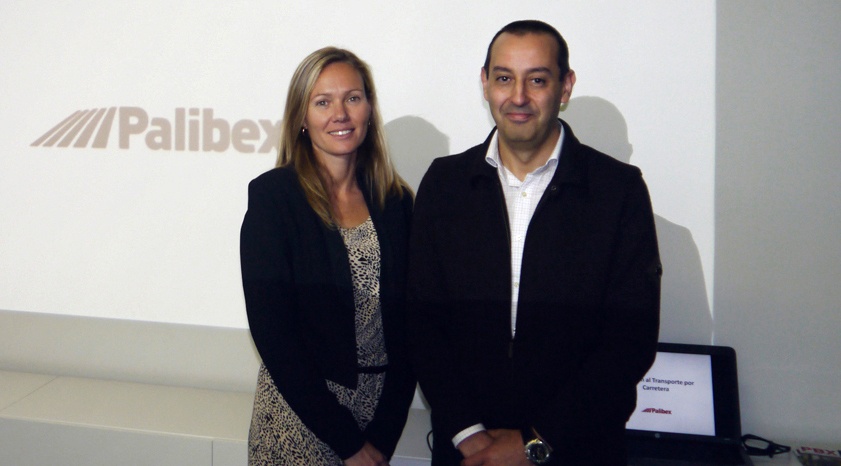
[(191, 130)]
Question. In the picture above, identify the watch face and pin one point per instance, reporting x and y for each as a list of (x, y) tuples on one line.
[(538, 453)]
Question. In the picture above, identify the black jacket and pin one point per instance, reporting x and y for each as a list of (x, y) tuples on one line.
[(588, 311), (299, 299)]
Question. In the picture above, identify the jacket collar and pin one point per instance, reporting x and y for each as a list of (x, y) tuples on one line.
[(571, 164)]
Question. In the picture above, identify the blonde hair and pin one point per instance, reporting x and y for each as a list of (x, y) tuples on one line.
[(378, 175)]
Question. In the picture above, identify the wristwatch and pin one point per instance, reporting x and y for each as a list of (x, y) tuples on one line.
[(538, 451)]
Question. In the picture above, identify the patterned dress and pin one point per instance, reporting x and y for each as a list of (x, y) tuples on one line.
[(277, 435)]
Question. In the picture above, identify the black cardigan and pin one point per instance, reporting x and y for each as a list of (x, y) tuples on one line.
[(299, 299)]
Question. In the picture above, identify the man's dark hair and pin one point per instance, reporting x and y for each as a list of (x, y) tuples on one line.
[(532, 26)]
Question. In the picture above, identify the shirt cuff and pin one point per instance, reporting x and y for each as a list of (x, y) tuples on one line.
[(459, 437)]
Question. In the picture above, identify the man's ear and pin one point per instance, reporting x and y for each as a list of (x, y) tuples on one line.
[(484, 77), (569, 82)]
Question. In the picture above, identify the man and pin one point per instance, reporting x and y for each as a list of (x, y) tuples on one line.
[(534, 286)]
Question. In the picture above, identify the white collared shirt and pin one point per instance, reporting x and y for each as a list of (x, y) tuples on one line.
[(521, 199)]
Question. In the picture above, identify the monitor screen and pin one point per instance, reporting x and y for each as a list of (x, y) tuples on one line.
[(676, 396)]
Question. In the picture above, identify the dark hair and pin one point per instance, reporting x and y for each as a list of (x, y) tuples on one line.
[(532, 26)]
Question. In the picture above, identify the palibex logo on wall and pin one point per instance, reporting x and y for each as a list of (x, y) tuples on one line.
[(191, 130)]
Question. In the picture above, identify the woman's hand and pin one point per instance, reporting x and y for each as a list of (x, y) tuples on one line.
[(367, 456)]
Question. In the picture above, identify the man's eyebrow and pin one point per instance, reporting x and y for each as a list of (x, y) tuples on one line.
[(539, 69)]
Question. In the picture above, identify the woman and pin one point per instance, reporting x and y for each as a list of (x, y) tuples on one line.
[(323, 252)]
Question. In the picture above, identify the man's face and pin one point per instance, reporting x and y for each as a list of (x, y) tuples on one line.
[(525, 90)]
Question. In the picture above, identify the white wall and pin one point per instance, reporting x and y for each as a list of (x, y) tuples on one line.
[(778, 213), (145, 228)]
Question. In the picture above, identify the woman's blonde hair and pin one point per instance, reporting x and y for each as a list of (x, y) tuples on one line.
[(378, 175)]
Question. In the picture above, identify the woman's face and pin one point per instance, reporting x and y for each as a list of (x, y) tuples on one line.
[(337, 112)]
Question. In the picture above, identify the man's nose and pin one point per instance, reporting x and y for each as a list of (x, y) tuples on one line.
[(519, 95)]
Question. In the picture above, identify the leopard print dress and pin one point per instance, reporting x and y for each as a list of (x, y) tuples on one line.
[(277, 435)]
